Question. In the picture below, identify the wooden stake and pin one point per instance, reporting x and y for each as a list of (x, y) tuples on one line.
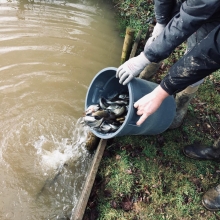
[(149, 70), (129, 37), (135, 45), (152, 68)]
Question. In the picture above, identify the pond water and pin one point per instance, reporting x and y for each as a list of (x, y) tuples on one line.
[(49, 53)]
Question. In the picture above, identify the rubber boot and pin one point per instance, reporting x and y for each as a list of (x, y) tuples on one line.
[(183, 99), (211, 199), (199, 151)]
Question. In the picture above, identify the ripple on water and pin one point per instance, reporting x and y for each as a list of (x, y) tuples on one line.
[(49, 52)]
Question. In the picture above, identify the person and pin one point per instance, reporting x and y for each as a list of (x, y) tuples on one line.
[(201, 60), (177, 21)]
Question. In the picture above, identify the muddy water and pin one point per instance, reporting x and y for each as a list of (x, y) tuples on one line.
[(49, 53)]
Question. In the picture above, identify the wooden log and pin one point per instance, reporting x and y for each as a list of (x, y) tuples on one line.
[(128, 41), (135, 45), (91, 142), (152, 68), (78, 211), (149, 71)]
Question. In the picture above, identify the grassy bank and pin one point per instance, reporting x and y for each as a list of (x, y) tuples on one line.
[(148, 177)]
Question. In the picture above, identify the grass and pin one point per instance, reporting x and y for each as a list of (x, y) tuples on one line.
[(148, 177), (154, 178), (137, 14)]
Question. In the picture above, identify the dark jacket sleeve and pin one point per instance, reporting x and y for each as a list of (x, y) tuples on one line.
[(193, 13), (163, 10), (198, 63)]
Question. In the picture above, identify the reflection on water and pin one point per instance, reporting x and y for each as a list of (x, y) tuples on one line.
[(49, 53)]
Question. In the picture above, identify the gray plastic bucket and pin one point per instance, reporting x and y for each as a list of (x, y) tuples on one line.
[(105, 83)]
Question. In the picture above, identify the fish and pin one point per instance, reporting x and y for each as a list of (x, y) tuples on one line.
[(117, 102), (89, 119), (120, 119), (124, 96), (51, 181), (103, 103), (91, 109), (118, 110), (108, 114), (96, 123), (105, 127), (122, 102), (101, 114), (114, 127)]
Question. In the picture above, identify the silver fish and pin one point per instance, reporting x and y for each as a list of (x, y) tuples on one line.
[(89, 119), (118, 110), (102, 102), (96, 123), (105, 127), (114, 127), (122, 102), (51, 181), (117, 102), (124, 96), (109, 113)]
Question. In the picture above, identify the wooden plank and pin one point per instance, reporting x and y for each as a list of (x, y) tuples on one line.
[(78, 211)]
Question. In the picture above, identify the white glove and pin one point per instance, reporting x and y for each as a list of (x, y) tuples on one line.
[(131, 68), (158, 29)]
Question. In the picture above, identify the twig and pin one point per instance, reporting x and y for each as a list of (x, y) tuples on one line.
[(211, 122)]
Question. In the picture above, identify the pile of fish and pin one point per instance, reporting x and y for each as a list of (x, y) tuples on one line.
[(109, 114)]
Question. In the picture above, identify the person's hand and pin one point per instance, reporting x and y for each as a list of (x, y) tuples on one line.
[(149, 103), (131, 68), (158, 28)]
